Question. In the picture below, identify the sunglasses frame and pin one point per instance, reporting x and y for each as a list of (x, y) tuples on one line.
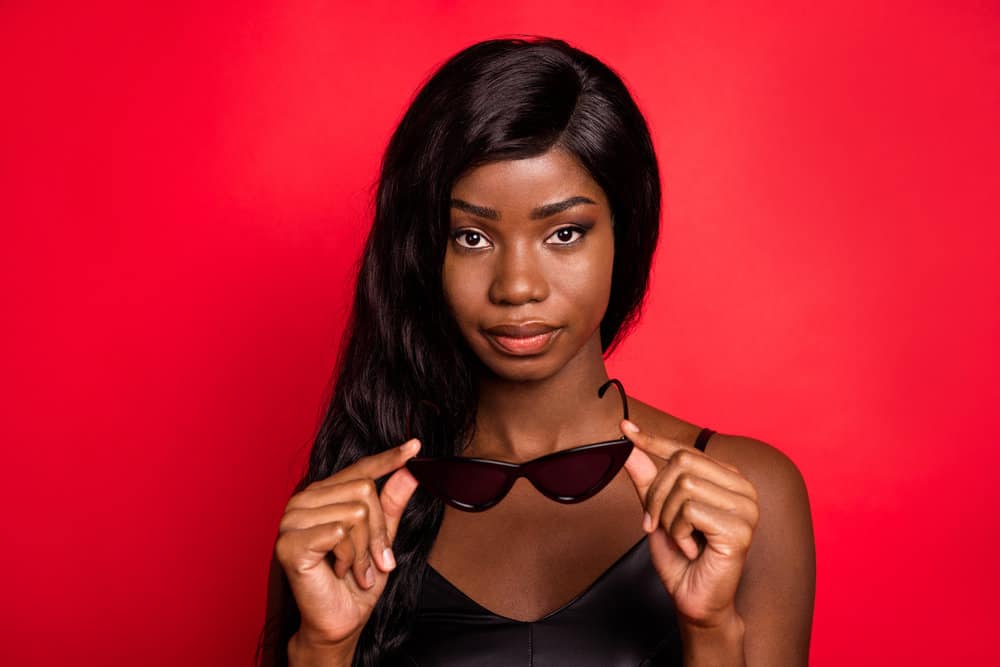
[(620, 449)]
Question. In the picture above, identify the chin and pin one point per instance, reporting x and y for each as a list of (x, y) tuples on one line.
[(525, 369)]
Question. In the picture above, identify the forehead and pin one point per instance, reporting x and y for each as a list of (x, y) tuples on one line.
[(519, 186)]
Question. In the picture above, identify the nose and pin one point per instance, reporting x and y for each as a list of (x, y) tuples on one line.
[(518, 277)]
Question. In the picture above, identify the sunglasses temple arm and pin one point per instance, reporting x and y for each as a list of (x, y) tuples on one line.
[(621, 390)]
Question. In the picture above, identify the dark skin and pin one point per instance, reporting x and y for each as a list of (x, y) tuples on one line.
[(745, 592)]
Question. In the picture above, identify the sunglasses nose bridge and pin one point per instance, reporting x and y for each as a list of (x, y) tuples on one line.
[(525, 470), (514, 474)]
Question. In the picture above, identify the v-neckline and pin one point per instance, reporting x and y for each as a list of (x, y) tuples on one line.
[(555, 612)]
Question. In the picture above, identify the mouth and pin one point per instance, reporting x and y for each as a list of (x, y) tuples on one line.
[(523, 345)]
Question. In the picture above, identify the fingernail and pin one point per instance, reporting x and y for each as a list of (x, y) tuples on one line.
[(369, 576), (647, 522), (387, 557), (411, 445), (630, 426)]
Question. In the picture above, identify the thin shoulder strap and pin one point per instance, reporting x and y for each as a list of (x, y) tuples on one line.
[(703, 437)]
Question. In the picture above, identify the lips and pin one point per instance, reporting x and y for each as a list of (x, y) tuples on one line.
[(521, 330), (522, 339)]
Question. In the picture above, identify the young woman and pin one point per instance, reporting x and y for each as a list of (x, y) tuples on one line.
[(540, 516)]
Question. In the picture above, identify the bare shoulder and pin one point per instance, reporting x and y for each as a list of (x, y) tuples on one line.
[(778, 585), (774, 475), (785, 517), (771, 471)]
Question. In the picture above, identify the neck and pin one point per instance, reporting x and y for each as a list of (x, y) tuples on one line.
[(518, 421)]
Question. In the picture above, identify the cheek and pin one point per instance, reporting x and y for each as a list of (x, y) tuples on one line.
[(587, 285), (606, 269), (458, 290)]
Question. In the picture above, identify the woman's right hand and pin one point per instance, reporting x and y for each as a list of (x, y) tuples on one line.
[(344, 514)]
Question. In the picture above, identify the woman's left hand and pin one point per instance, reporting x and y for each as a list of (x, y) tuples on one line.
[(694, 492)]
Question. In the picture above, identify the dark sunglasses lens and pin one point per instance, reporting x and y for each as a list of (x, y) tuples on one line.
[(576, 473), (469, 483)]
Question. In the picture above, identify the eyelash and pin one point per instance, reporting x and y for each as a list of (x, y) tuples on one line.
[(463, 232)]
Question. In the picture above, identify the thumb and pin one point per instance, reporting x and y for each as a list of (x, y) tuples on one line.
[(642, 470), (395, 496)]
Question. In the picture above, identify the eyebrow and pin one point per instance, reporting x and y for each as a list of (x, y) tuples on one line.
[(544, 211)]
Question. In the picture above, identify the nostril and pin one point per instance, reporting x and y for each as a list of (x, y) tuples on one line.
[(518, 291)]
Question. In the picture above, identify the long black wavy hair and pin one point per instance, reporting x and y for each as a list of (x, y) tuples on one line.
[(500, 99)]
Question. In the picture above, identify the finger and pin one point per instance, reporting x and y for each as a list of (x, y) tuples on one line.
[(703, 465), (375, 465), (648, 442), (300, 550), (725, 532), (682, 527), (657, 493), (692, 487), (354, 514), (642, 471), (395, 496), (666, 448), (341, 486), (343, 555), (359, 536), (362, 489), (687, 469), (375, 530)]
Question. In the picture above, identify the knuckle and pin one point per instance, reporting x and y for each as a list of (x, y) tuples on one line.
[(687, 481), (682, 458), (687, 508), (287, 521), (359, 511), (281, 549), (365, 488), (338, 530), (293, 502)]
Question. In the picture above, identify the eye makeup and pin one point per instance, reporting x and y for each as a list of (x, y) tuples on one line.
[(582, 228)]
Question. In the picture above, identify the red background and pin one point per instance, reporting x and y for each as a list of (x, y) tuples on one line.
[(185, 192)]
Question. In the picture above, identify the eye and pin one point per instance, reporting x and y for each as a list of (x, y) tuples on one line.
[(472, 237), (564, 235)]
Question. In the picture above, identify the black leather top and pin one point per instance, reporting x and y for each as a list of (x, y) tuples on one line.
[(625, 618)]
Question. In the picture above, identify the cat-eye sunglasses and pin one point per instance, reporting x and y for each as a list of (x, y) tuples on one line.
[(567, 476)]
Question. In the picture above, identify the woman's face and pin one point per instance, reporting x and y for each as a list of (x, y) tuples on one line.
[(531, 244)]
